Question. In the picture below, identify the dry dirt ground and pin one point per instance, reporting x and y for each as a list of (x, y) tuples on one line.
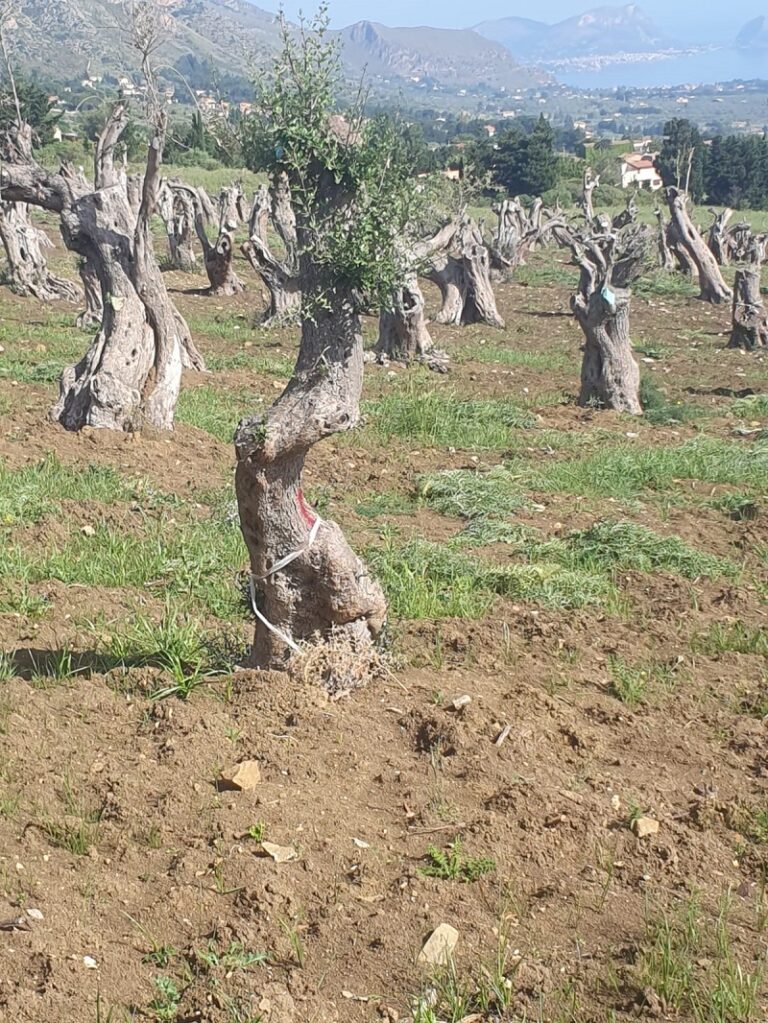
[(610, 685)]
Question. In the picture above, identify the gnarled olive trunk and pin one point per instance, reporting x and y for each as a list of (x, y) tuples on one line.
[(717, 238), (27, 269), (219, 255), (403, 333), (280, 276), (462, 273), (177, 210), (93, 313), (307, 581), (713, 287), (610, 376), (131, 374)]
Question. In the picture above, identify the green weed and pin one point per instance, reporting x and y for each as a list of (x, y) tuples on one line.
[(754, 406), (659, 410), (453, 865), (502, 355), (28, 494), (469, 493), (733, 637), (633, 683)]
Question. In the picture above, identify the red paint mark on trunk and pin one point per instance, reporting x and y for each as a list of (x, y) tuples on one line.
[(304, 510)]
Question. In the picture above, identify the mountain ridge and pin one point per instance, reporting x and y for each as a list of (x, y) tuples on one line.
[(600, 30)]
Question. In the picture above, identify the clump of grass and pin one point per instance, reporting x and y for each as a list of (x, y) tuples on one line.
[(78, 830), (176, 644), (659, 410), (28, 494), (689, 965), (215, 410), (441, 418), (753, 406), (634, 683), (427, 580), (452, 865), (547, 274), (371, 506), (663, 284), (732, 637), (7, 666), (633, 547), (470, 493), (741, 506)]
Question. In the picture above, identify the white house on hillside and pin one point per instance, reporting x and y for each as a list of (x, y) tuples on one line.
[(638, 171)]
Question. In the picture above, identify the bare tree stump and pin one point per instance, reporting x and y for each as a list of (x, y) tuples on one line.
[(403, 333), (717, 237), (280, 275), (177, 211), (610, 376), (462, 273), (218, 256), (750, 322), (27, 269), (713, 287)]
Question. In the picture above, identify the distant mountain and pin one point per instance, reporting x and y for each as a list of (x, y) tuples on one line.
[(66, 40), (457, 58), (754, 35), (83, 41), (603, 30)]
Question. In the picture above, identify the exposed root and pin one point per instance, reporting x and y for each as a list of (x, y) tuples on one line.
[(338, 662)]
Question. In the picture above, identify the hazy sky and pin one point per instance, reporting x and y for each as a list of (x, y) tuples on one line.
[(699, 19)]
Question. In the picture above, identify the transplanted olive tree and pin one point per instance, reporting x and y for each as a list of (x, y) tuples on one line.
[(609, 263), (132, 372), (749, 318), (349, 199)]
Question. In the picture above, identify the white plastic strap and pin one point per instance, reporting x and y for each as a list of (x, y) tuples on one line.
[(276, 568)]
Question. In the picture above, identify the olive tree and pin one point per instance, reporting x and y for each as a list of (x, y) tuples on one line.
[(349, 196)]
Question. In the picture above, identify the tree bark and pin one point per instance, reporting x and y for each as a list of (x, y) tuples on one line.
[(27, 270), (666, 260), (749, 319), (713, 287), (131, 374), (463, 276), (93, 313)]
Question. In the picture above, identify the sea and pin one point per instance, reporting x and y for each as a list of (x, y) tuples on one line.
[(716, 64)]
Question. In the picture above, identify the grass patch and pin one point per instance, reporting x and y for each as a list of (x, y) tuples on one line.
[(373, 505), (754, 406), (659, 410), (469, 493), (665, 284), (518, 358), (441, 419), (626, 471), (197, 559), (547, 274), (28, 494), (37, 352), (426, 580), (735, 637), (632, 547), (214, 410)]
